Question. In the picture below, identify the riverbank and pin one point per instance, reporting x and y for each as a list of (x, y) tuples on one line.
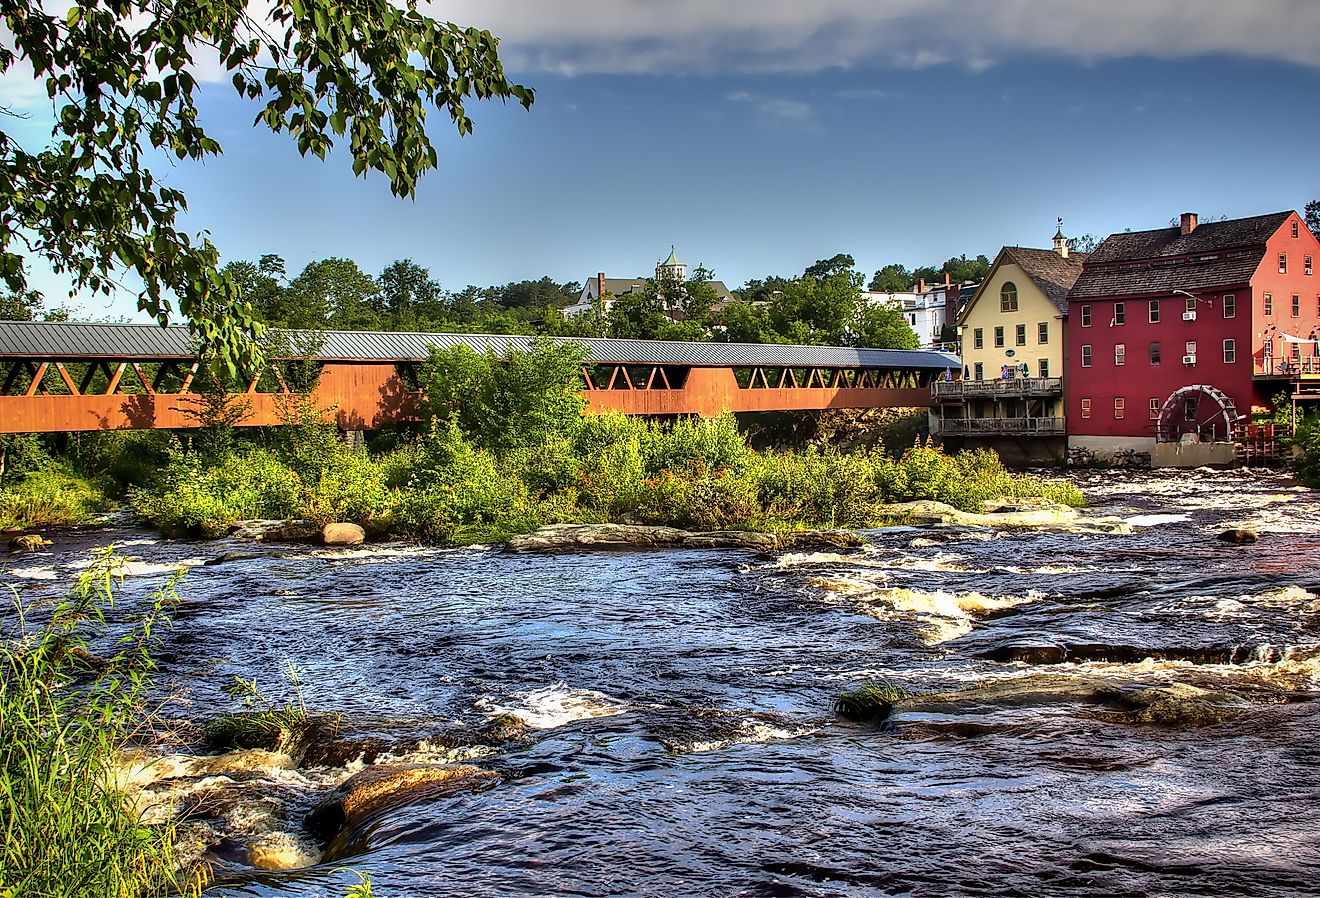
[(447, 490)]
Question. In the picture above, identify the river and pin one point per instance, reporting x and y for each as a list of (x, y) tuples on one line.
[(679, 703)]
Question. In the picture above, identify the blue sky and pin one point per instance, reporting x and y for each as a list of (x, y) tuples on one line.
[(832, 127)]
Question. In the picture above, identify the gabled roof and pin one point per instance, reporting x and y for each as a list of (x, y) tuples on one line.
[(623, 286), (1215, 254), (1212, 236), (1052, 274), (1049, 271)]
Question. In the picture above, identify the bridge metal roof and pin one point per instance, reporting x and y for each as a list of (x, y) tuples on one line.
[(73, 340)]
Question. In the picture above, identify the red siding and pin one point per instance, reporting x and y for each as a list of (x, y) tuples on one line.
[(1138, 381)]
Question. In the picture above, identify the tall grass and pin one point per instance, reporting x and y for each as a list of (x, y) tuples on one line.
[(48, 497), (65, 715), (449, 488)]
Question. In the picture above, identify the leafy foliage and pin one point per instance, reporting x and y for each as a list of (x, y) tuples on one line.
[(51, 496), (120, 78), (517, 399), (66, 828)]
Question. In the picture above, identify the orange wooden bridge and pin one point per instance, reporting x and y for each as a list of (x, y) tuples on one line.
[(63, 376)]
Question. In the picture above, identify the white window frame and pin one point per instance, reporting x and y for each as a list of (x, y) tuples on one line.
[(1087, 357)]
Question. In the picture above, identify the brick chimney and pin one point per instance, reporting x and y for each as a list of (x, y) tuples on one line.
[(946, 279), (921, 285), (1188, 223), (600, 284)]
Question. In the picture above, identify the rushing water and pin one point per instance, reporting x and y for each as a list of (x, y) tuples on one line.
[(680, 703)]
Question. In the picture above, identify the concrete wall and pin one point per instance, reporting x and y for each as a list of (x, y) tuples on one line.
[(1192, 455)]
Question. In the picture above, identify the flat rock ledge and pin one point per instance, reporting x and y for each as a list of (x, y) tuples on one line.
[(560, 537), (1015, 514)]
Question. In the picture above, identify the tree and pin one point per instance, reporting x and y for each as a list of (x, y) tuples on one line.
[(1083, 243), (335, 293), (893, 278), (742, 322), (1313, 216), (761, 290), (411, 299), (518, 399), (538, 294), (19, 306), (824, 268), (261, 287), (962, 270), (120, 78), (883, 326)]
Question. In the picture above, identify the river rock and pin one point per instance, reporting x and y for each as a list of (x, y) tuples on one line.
[(1005, 514), (386, 787), (28, 542), (1239, 537), (554, 537), (1179, 704), (819, 539), (343, 535), (275, 531), (1035, 690)]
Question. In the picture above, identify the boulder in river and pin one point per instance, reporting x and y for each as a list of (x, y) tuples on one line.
[(1180, 704), (1016, 514), (554, 537), (385, 787), (340, 534), (28, 542), (1239, 536), (275, 531)]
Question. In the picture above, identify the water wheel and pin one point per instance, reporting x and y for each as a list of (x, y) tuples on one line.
[(1200, 409)]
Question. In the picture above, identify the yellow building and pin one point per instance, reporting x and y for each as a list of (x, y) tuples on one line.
[(1012, 333)]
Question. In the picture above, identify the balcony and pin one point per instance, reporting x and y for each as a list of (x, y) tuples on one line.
[(1284, 368), (1029, 427), (1016, 388)]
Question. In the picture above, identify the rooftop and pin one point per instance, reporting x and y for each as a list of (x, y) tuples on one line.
[(75, 340)]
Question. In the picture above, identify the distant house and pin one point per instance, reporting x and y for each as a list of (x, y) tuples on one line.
[(928, 310), (1177, 333), (599, 285), (1012, 332)]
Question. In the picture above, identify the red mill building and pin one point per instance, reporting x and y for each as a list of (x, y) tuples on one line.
[(1174, 335)]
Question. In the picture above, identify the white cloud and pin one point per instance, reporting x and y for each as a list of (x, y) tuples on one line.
[(699, 36)]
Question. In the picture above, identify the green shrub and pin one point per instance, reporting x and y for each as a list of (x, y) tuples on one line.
[(191, 498), (44, 498), (869, 703), (351, 488), (65, 828), (500, 402), (697, 444), (1307, 464)]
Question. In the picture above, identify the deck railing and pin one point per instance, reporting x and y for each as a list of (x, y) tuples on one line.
[(990, 389), (1288, 367), (1003, 426)]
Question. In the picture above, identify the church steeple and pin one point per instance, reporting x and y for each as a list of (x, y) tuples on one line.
[(671, 268), (1061, 242)]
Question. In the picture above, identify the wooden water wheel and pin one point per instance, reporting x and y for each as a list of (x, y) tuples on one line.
[(1200, 409)]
